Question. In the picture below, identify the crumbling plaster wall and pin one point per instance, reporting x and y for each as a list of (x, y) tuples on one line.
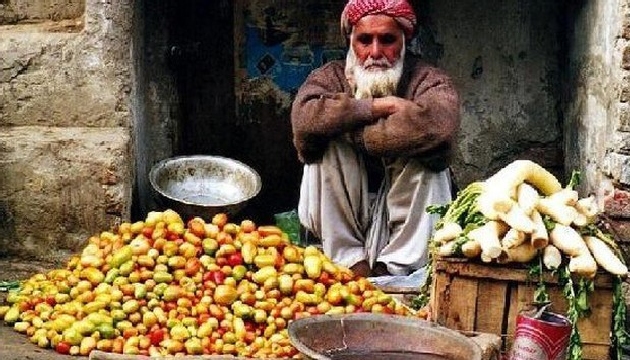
[(66, 168), (504, 59), (593, 106), (597, 109)]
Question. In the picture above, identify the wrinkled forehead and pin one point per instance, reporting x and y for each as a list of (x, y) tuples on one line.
[(378, 25)]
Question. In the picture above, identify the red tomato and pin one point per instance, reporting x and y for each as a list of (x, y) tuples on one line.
[(218, 277), (170, 305), (313, 310), (171, 235), (250, 325), (156, 337), (147, 232), (207, 276), (326, 279), (192, 266), (203, 318), (63, 347), (36, 300), (235, 259), (25, 305), (221, 261)]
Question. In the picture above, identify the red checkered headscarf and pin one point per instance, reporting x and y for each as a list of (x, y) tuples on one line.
[(400, 10)]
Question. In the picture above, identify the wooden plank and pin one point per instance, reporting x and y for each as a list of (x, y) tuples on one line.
[(601, 313), (508, 329), (511, 272), (491, 306), (596, 341), (439, 301), (461, 312), (595, 352)]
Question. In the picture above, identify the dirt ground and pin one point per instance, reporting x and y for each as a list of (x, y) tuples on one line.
[(13, 345)]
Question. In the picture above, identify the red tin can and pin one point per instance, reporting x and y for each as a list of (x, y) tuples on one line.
[(540, 337)]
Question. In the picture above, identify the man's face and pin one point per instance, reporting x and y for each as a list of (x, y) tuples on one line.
[(378, 39), (375, 59)]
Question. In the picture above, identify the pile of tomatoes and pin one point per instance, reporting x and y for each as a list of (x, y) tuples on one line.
[(163, 286)]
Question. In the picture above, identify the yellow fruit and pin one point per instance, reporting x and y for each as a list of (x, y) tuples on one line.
[(225, 294)]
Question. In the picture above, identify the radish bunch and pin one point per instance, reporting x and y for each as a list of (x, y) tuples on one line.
[(521, 212)]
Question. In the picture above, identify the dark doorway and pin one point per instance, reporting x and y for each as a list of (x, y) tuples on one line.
[(189, 101), (201, 56)]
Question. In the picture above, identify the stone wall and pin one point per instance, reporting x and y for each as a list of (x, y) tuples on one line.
[(65, 144), (505, 58), (597, 108), (618, 159)]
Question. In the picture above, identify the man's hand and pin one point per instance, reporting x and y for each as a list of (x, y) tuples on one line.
[(362, 268), (385, 106)]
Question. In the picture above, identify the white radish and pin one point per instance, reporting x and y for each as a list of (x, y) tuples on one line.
[(566, 196), (471, 249), (552, 258), (588, 207), (448, 232), (558, 211), (581, 220), (539, 237), (491, 203), (519, 171), (501, 188), (447, 249), (488, 237), (568, 240), (605, 256), (522, 253), (527, 198), (517, 219), (583, 265), (512, 238)]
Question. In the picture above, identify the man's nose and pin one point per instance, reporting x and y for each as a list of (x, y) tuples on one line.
[(376, 50)]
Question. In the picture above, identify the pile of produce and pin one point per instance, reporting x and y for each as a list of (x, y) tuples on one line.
[(523, 215), (522, 211), (165, 287)]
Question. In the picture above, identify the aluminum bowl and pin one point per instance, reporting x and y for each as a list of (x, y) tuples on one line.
[(370, 336), (204, 185)]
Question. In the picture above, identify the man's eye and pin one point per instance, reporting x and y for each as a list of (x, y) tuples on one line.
[(364, 39), (388, 39)]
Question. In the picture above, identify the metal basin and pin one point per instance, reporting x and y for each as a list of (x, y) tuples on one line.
[(378, 337), (203, 185)]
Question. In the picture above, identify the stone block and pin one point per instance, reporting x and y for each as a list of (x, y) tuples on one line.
[(625, 58), (621, 230), (625, 30), (624, 115), (60, 186), (616, 165), (617, 205), (34, 10), (59, 79), (625, 90)]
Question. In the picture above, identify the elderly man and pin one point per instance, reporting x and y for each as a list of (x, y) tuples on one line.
[(375, 133)]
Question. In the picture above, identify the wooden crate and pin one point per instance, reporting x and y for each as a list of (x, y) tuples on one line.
[(470, 296)]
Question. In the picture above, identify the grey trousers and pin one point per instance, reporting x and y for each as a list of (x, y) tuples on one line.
[(392, 228)]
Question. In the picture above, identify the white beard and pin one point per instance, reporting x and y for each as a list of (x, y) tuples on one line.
[(373, 82)]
